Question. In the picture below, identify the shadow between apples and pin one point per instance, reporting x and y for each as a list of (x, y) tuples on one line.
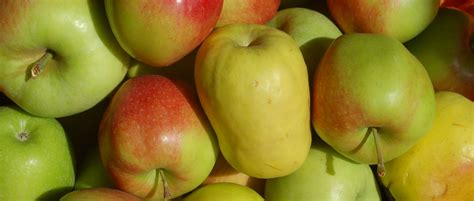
[(54, 194)]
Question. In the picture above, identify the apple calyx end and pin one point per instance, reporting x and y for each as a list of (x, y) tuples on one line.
[(39, 65), (23, 136), (378, 148)]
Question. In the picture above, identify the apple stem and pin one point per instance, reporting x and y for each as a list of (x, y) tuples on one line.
[(40, 64), (166, 193), (378, 147)]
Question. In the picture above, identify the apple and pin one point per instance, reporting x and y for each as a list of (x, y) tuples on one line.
[(102, 194), (223, 172), (445, 49), (154, 139), (58, 58), (247, 11), (441, 164), (37, 162), (325, 175), (372, 99), (311, 30), (223, 192), (402, 20), (465, 5), (91, 172), (253, 85), (160, 32)]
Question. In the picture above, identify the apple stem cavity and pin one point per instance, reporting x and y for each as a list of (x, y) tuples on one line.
[(40, 64), (23, 136), (378, 148), (166, 193)]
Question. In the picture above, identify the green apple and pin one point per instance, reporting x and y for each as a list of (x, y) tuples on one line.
[(311, 30), (253, 85), (58, 58), (154, 139), (99, 194), (325, 176), (160, 32), (36, 160), (402, 20), (247, 11), (372, 99), (91, 172), (445, 49), (441, 164), (223, 192)]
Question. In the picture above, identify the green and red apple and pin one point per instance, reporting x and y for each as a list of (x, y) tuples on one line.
[(372, 99), (253, 85), (37, 162), (154, 140), (402, 20), (311, 30), (441, 164), (58, 58), (161, 32), (445, 49), (247, 11), (325, 176), (99, 194), (223, 192)]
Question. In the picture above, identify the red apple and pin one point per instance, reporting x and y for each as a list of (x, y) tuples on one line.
[(248, 11), (160, 32), (155, 140), (465, 5)]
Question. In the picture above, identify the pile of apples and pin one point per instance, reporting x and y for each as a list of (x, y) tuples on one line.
[(237, 100)]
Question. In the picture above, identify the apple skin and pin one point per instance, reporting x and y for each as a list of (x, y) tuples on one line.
[(253, 86), (39, 166), (367, 81), (154, 128), (223, 172), (160, 32), (87, 59), (465, 5), (99, 194), (441, 164), (325, 176), (444, 48), (402, 20), (247, 11), (311, 30), (223, 192)]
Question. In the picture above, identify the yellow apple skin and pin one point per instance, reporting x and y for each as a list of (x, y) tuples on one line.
[(441, 164)]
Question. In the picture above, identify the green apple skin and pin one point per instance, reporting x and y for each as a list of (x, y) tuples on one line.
[(159, 33), (325, 176), (247, 12), (223, 192), (155, 141), (441, 164), (402, 20), (311, 30), (91, 172), (367, 81), (444, 48), (37, 162), (253, 85), (99, 194), (87, 65)]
